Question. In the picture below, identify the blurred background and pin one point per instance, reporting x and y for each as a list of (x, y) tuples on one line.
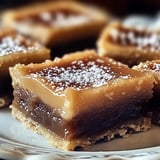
[(118, 8)]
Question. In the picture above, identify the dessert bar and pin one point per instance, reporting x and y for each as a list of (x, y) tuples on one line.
[(129, 45), (56, 22), (80, 99), (15, 48), (153, 67)]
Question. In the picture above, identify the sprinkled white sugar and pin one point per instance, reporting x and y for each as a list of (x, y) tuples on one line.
[(137, 38), (131, 36), (71, 20), (46, 16), (115, 34), (62, 20), (156, 67), (10, 45), (78, 75)]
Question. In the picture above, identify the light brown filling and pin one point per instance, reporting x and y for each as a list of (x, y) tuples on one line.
[(85, 125)]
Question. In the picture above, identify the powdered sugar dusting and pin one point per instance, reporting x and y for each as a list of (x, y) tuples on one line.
[(61, 20), (156, 67), (148, 40), (10, 45), (150, 66), (79, 75)]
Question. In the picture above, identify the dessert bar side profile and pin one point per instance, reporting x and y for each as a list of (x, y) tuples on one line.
[(53, 98)]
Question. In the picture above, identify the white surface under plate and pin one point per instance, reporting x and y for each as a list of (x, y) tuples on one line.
[(20, 143)]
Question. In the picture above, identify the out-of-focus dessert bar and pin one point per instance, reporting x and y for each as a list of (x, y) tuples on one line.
[(128, 44), (56, 22)]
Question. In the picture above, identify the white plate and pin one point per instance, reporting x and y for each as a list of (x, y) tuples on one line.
[(17, 142)]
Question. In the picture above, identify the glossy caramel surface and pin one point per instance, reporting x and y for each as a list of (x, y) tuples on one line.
[(90, 72)]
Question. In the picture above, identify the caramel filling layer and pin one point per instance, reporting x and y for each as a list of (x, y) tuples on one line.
[(132, 37), (84, 125)]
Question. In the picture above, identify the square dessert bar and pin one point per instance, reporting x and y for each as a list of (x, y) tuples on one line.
[(80, 99), (128, 44), (53, 23), (153, 67), (15, 48)]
